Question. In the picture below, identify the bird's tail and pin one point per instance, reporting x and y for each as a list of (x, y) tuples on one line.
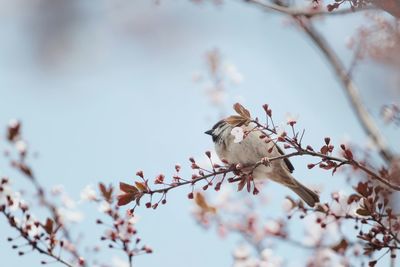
[(309, 196)]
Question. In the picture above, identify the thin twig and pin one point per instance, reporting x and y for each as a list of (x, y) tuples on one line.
[(53, 210), (34, 244), (297, 12), (301, 151)]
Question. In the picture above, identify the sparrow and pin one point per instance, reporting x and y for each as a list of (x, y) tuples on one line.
[(251, 150)]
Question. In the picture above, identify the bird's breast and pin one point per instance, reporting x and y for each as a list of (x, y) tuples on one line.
[(249, 151)]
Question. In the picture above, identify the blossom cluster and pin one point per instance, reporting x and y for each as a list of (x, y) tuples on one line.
[(368, 207), (51, 236)]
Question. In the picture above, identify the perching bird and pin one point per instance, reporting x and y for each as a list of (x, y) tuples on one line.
[(251, 150)]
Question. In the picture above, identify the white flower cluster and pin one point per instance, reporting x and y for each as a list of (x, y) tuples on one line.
[(243, 258)]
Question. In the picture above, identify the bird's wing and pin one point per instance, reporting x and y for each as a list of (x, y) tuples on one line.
[(286, 160)]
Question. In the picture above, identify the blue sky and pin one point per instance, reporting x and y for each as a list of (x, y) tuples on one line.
[(118, 96)]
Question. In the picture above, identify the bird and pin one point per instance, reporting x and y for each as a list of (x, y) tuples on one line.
[(253, 149)]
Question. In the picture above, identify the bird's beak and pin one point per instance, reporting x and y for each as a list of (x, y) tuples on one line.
[(209, 132)]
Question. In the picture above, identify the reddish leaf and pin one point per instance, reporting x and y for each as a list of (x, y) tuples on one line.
[(141, 186), (235, 120), (13, 131), (363, 212), (125, 199), (102, 188), (242, 111), (341, 246), (241, 184), (202, 203), (353, 198), (248, 185), (363, 189), (48, 227), (127, 188), (106, 193)]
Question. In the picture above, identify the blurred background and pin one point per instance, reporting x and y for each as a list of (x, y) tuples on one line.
[(106, 88)]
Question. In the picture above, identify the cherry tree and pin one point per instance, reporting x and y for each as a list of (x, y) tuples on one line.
[(358, 226)]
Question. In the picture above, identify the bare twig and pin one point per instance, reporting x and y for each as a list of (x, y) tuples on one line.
[(301, 151), (52, 208), (297, 12), (34, 243)]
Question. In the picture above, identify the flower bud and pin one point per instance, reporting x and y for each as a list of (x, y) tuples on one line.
[(140, 174)]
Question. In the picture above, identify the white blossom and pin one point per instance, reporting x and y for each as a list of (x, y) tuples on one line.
[(197, 77), (88, 193), (133, 219), (118, 262), (16, 200), (233, 74), (291, 117), (73, 216), (104, 206), (341, 207), (238, 133), (217, 96), (272, 226), (241, 252), (268, 259), (57, 189), (21, 146), (287, 205), (68, 202), (13, 123)]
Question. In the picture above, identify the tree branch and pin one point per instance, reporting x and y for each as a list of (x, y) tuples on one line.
[(300, 152), (47, 204), (350, 89), (33, 243)]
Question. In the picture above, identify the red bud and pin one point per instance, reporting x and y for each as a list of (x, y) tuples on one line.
[(327, 140), (310, 166)]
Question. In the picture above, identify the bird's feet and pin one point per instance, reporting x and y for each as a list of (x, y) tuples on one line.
[(266, 162)]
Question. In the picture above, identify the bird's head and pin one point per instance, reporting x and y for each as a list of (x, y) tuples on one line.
[(220, 131)]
